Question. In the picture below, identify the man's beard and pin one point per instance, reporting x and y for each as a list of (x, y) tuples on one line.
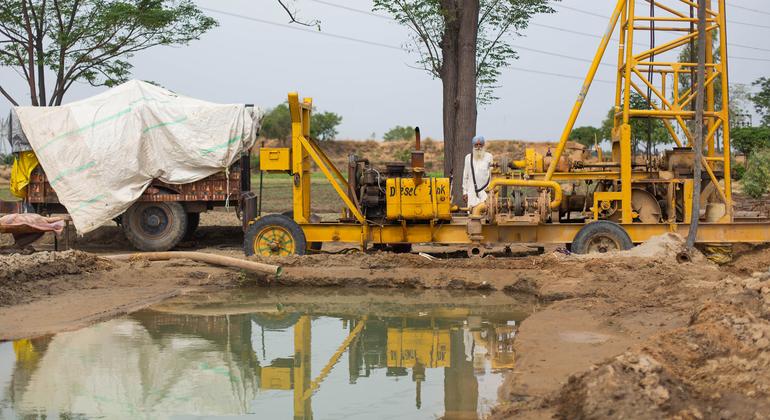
[(478, 154)]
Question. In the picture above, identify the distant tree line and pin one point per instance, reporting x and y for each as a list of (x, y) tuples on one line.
[(276, 124)]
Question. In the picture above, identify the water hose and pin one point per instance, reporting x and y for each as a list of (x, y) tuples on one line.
[(201, 257)]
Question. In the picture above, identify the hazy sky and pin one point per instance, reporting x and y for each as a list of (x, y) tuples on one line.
[(374, 87)]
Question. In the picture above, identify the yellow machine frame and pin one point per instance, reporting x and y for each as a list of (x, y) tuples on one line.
[(632, 66)]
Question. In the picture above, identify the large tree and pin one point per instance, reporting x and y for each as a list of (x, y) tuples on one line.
[(465, 44), (761, 99), (88, 40)]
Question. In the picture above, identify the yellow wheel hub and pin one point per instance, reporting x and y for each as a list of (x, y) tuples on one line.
[(274, 241)]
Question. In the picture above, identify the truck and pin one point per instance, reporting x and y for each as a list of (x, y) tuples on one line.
[(165, 214)]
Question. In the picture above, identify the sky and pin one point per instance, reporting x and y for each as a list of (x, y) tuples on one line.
[(374, 86)]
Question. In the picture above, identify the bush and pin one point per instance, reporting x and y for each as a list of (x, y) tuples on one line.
[(399, 133), (739, 171), (757, 177)]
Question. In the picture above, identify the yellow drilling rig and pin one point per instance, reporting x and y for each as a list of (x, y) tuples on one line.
[(599, 205)]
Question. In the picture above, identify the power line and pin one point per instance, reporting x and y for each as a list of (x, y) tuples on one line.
[(353, 9), (555, 28), (566, 76), (296, 28), (749, 9), (381, 45), (586, 12)]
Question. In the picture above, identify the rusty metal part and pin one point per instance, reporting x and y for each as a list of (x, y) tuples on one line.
[(644, 205), (212, 188), (552, 185)]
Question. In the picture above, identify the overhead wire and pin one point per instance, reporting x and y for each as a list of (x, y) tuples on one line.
[(555, 28), (378, 44), (586, 12), (395, 47), (748, 9)]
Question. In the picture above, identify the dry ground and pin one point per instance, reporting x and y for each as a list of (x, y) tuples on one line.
[(632, 335)]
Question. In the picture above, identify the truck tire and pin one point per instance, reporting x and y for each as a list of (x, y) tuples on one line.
[(600, 237), (153, 226), (274, 235), (193, 221)]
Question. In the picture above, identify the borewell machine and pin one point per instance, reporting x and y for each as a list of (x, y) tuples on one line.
[(592, 205)]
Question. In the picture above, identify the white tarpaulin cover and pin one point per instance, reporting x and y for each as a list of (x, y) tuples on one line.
[(101, 153)]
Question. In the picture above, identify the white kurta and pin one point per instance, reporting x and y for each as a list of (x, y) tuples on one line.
[(483, 170)]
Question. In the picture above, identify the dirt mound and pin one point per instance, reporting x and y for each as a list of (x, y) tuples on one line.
[(716, 367), (379, 152), (665, 246), (22, 275)]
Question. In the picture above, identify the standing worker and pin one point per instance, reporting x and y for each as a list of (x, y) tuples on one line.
[(476, 173)]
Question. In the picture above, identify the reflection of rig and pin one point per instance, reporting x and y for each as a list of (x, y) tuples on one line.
[(393, 342), (390, 340)]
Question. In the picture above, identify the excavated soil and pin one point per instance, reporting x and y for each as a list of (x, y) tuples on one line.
[(633, 334)]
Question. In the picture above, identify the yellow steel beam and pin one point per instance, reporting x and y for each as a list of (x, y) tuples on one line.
[(585, 88), (725, 108), (554, 186), (456, 233), (316, 155), (335, 358)]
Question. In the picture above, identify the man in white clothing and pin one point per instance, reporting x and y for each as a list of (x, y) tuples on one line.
[(477, 173)]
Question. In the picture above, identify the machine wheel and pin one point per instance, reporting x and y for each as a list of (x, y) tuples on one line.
[(314, 218), (644, 204), (193, 220), (155, 226), (274, 235), (600, 237), (276, 322)]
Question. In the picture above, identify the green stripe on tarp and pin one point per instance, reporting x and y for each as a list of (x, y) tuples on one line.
[(86, 127), (68, 172), (102, 121), (211, 150), (87, 203), (164, 124)]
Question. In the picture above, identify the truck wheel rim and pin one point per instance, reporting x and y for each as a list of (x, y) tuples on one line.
[(274, 241), (154, 221), (601, 244)]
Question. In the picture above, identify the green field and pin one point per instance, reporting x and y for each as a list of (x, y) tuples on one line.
[(276, 193)]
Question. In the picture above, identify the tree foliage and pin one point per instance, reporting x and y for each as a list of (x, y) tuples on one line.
[(756, 179), (323, 125), (586, 135), (761, 99), (747, 140), (276, 124), (399, 133), (642, 128), (497, 20), (88, 40)]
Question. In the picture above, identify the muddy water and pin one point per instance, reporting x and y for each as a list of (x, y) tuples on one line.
[(274, 355)]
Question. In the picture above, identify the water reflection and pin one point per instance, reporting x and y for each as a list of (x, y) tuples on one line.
[(274, 356)]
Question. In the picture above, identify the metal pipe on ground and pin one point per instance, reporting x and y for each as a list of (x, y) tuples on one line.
[(201, 257)]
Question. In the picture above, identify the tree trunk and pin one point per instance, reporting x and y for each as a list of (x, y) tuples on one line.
[(458, 76), (449, 76), (30, 49)]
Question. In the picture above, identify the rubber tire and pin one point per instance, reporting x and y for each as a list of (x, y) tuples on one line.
[(601, 227), (298, 236), (169, 239), (280, 322), (313, 246), (193, 221)]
